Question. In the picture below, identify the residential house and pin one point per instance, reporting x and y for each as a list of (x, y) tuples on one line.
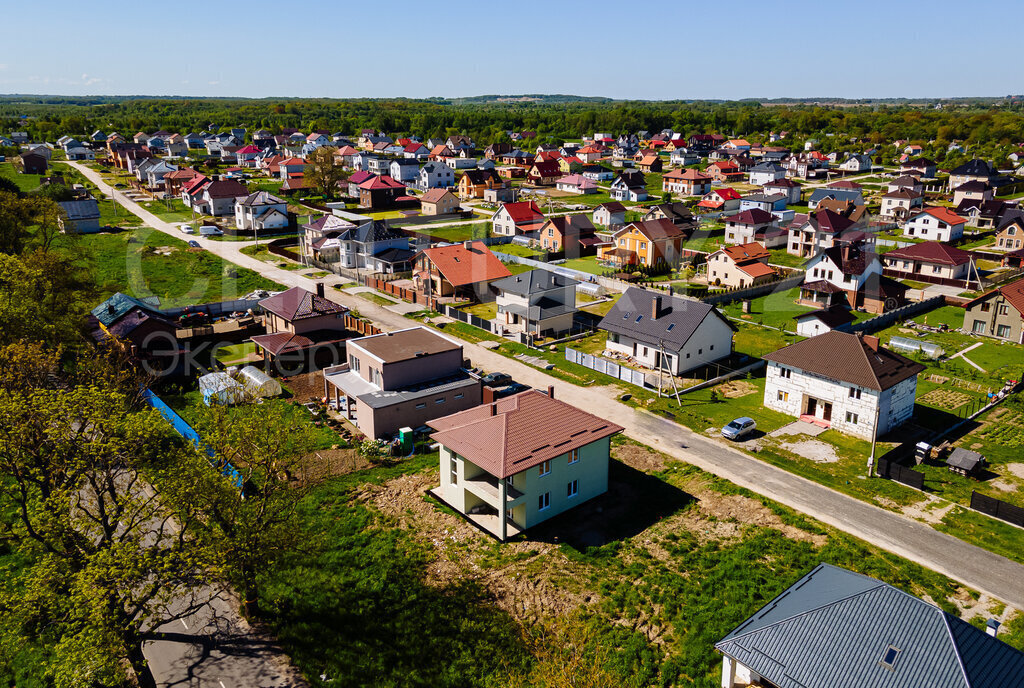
[(789, 188), (502, 194), (291, 167), (304, 330), (543, 173), (919, 167), (815, 322), (815, 232), (351, 185), (492, 474), (744, 265), (575, 235), (381, 191), (647, 242), (439, 202), (473, 183), (844, 382), (590, 153), (401, 379), (79, 153), (987, 214), (667, 332), (857, 271), (975, 170), (766, 173), (766, 202), (538, 302), (518, 158), (521, 217), (1010, 235), (173, 181), (32, 163), (931, 261), (374, 246), (577, 184), (378, 165), (650, 163), (630, 185), (683, 157), (935, 223), (458, 142), (415, 151), (746, 226), (973, 191), (998, 313), (722, 199), (608, 214), (687, 182), (496, 150), (435, 175), (856, 163), (155, 173), (677, 213), (724, 172), (79, 217), (834, 627), (855, 196), (319, 238), (898, 205), (459, 270), (261, 211), (405, 170), (214, 197)]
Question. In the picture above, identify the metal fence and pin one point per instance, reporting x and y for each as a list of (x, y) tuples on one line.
[(471, 319), (603, 365), (880, 322), (1004, 511), (899, 473)]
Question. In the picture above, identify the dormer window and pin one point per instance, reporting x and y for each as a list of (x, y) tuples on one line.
[(890, 656)]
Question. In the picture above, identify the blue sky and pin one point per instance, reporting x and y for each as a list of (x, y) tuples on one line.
[(622, 49)]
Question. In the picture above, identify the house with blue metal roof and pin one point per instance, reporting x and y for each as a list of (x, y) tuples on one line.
[(834, 628)]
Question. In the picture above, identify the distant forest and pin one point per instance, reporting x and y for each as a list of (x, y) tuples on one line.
[(988, 126)]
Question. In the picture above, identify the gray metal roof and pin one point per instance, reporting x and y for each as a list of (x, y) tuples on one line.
[(533, 281), (964, 459), (833, 628), (677, 320), (87, 209)]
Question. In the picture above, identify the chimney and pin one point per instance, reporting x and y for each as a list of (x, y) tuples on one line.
[(551, 391), (992, 627), (487, 396), (846, 252), (468, 244), (872, 342), (111, 309), (656, 307), (320, 289)]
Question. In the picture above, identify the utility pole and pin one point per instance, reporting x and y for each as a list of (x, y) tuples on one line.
[(874, 438)]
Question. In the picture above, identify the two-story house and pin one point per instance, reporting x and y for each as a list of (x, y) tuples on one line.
[(516, 462), (850, 267), (521, 217), (647, 242), (575, 235), (789, 188), (439, 202), (935, 223), (630, 185), (739, 266), (260, 211), (304, 330), (380, 191), (608, 214), (474, 183), (754, 225), (1010, 234), (401, 379), (673, 333), (539, 302), (998, 313), (815, 232), (464, 270), (435, 175), (931, 261), (844, 382), (766, 173), (686, 182), (405, 170), (723, 199)]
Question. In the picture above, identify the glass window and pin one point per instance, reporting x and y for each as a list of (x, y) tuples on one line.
[(1003, 331), (543, 501), (572, 489), (851, 418), (574, 455), (455, 470), (544, 467)]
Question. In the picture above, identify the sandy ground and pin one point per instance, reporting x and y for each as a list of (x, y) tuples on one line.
[(814, 450)]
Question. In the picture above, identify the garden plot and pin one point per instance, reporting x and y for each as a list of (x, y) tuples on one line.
[(945, 398)]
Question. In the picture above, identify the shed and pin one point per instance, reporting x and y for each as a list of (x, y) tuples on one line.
[(220, 388), (258, 384), (965, 462)]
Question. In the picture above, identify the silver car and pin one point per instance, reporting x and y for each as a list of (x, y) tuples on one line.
[(739, 428)]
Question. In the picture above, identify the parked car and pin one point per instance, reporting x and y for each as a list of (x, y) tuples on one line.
[(210, 230), (739, 428), (194, 244), (496, 379), (187, 228), (514, 388)]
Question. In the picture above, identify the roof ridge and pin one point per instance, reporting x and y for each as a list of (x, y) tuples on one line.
[(956, 647)]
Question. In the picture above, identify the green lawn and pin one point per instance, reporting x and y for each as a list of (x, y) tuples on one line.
[(519, 250), (25, 182), (236, 353), (776, 309), (781, 257), (486, 311), (588, 265), (455, 233), (129, 262), (171, 210), (376, 298), (603, 307)]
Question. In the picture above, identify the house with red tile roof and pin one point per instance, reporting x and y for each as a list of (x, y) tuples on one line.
[(935, 223), (723, 199), (512, 464), (933, 262), (543, 173), (460, 270), (744, 227), (743, 265), (521, 217), (380, 191), (998, 313), (686, 182), (291, 167), (724, 172)]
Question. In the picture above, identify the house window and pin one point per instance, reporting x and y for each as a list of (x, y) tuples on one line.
[(786, 373), (572, 488), (574, 455), (851, 418), (421, 405), (545, 467), (543, 501), (890, 656), (353, 363), (1003, 309), (1003, 331), (783, 396), (986, 307), (854, 393), (455, 471), (439, 400), (978, 327)]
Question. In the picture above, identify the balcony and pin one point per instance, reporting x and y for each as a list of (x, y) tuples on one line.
[(485, 486)]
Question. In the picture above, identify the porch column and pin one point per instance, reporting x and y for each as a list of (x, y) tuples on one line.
[(502, 518), (728, 671)]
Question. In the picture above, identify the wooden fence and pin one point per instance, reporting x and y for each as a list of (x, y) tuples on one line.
[(719, 298), (363, 327), (991, 506), (899, 473)]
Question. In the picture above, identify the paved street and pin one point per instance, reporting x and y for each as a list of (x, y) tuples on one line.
[(972, 566)]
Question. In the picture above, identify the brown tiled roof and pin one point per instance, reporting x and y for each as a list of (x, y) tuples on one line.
[(744, 252), (850, 358), (755, 268), (517, 433), (833, 316), (656, 230), (1012, 292), (462, 266), (932, 252), (852, 260), (753, 216), (434, 195), (297, 303), (821, 287)]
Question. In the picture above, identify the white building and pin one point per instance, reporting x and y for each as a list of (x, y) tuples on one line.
[(935, 224), (435, 175), (539, 301), (842, 381), (261, 211)]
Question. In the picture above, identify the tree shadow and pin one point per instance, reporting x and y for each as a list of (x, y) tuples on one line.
[(634, 502)]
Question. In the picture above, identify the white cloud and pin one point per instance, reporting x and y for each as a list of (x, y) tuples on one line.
[(90, 80), (213, 83)]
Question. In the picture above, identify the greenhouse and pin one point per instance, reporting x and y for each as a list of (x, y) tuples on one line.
[(906, 345), (257, 384), (220, 388)]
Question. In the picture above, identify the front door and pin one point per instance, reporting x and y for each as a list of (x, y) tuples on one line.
[(812, 406), (827, 415)]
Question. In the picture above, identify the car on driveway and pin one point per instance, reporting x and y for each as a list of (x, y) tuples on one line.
[(739, 428), (194, 244), (496, 379)]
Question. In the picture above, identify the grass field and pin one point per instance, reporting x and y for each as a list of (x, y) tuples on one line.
[(236, 353), (376, 298), (145, 263), (455, 233), (25, 182)]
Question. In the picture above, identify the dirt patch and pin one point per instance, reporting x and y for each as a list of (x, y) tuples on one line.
[(327, 463), (930, 510), (1016, 469), (1003, 485), (305, 387), (984, 606), (815, 450), (521, 587), (639, 457), (735, 388), (163, 250), (946, 398)]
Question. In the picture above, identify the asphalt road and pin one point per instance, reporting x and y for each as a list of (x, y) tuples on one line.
[(970, 565)]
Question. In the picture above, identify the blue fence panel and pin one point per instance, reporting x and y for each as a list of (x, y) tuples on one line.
[(182, 427)]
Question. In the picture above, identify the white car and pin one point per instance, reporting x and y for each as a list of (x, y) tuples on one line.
[(186, 228), (210, 230)]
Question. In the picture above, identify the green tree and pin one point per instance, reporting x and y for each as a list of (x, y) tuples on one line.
[(323, 172)]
